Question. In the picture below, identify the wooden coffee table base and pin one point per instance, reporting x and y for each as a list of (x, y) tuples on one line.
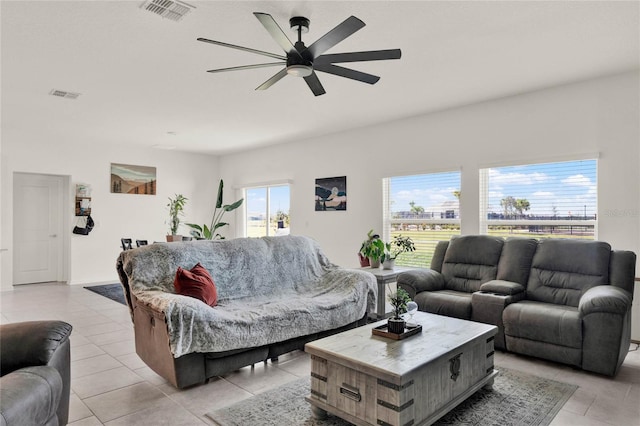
[(320, 409), (370, 380)]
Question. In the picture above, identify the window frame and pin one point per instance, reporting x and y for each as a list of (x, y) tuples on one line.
[(267, 186), (483, 180), (388, 221)]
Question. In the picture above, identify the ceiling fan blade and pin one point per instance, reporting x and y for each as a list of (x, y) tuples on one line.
[(276, 32), (247, 67), (246, 49), (371, 55), (335, 36), (273, 80), (348, 73), (314, 84)]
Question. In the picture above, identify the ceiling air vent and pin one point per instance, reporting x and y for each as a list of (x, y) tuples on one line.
[(63, 94), (170, 9)]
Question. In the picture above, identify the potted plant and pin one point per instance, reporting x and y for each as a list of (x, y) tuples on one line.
[(396, 247), (205, 232), (176, 208), (371, 250), (398, 301)]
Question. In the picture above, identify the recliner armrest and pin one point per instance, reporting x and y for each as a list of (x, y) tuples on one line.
[(419, 280), (30, 343), (507, 288), (30, 396), (605, 299)]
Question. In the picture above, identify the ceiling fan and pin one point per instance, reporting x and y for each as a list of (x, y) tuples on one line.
[(303, 61)]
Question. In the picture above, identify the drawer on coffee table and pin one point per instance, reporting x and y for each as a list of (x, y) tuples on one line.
[(359, 395)]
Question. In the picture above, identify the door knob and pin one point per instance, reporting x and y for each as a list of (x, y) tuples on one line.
[(53, 235)]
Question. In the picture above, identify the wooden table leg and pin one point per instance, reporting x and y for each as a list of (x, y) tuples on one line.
[(489, 385), (318, 412), (381, 298)]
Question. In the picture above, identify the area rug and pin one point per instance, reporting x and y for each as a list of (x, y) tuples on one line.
[(111, 291), (516, 399)]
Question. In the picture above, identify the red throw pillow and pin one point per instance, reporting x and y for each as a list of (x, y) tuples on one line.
[(196, 283)]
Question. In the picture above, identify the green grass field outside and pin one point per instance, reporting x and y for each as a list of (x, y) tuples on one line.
[(426, 241)]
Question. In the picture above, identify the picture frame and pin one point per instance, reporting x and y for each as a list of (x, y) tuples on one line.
[(331, 194), (132, 179)]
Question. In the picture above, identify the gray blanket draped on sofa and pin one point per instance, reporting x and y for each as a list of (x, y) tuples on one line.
[(271, 290)]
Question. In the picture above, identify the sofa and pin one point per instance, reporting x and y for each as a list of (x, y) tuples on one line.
[(274, 294), (563, 300), (34, 373)]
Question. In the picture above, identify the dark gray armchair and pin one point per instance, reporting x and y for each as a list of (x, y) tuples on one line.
[(35, 373)]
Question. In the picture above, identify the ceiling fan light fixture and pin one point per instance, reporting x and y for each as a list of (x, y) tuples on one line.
[(299, 70)]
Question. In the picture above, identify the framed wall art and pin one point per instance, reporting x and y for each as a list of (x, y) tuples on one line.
[(331, 194), (130, 179)]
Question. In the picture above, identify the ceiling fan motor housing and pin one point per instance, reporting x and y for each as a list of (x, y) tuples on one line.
[(305, 59), (299, 65)]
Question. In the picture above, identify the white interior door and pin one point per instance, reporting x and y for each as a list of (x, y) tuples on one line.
[(37, 228)]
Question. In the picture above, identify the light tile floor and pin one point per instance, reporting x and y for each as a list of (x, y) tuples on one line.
[(112, 386)]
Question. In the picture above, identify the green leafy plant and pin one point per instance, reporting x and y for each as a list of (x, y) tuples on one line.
[(397, 246), (373, 246), (398, 301), (176, 208), (205, 232)]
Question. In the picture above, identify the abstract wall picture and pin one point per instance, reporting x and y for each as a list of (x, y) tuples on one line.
[(129, 179), (331, 193)]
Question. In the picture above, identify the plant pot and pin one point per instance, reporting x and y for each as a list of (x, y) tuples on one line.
[(172, 238), (388, 264), (364, 261), (375, 263), (395, 325)]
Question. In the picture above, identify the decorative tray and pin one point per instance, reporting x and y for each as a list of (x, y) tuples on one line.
[(409, 330)]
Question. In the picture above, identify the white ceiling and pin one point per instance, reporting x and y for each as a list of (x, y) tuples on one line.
[(142, 76)]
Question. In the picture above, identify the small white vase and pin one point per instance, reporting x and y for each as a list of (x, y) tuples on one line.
[(388, 264)]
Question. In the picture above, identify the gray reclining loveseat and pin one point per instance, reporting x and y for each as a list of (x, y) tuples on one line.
[(563, 300)]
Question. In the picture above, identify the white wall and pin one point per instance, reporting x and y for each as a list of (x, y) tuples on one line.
[(596, 116), (599, 116), (92, 258)]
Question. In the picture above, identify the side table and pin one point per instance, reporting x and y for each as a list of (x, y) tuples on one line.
[(384, 276)]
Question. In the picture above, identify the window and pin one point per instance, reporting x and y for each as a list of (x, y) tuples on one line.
[(267, 211), (423, 207), (550, 200)]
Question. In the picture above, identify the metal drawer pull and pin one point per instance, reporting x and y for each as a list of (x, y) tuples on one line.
[(351, 392), (454, 367)]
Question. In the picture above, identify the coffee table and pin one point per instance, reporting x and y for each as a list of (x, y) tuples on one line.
[(372, 380)]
